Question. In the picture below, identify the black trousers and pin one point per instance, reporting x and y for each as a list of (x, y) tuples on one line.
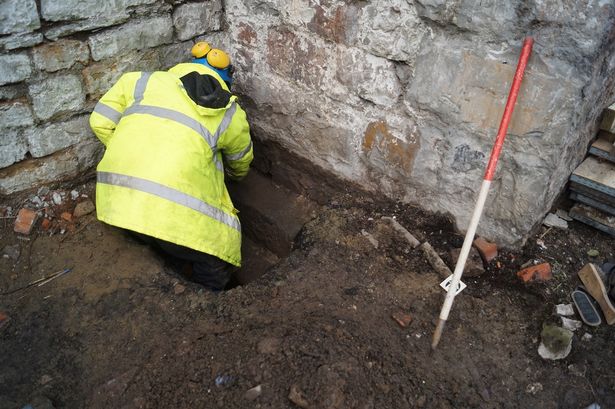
[(207, 270)]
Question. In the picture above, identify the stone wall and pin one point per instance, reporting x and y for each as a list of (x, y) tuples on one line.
[(57, 57), (403, 97)]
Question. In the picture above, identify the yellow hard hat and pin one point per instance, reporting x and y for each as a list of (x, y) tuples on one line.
[(200, 49), (218, 59)]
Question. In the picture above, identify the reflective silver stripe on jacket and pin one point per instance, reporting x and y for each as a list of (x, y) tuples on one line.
[(108, 112), (173, 195), (140, 86), (241, 154), (226, 121)]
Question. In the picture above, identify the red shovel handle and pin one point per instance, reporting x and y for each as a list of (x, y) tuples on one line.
[(510, 106)]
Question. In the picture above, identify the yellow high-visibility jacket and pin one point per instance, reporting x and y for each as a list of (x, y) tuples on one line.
[(163, 170)]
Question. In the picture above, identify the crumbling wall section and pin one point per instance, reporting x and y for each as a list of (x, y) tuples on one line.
[(405, 97), (57, 57)]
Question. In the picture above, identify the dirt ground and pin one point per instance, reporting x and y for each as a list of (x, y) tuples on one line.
[(123, 330)]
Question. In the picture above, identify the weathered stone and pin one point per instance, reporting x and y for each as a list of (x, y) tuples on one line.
[(193, 19), (18, 16), (56, 95), (173, 54), (13, 146), (60, 55), (15, 114), (20, 40), (98, 21), (98, 78), (14, 68), (137, 35), (13, 91), (373, 78), (61, 166), (43, 141)]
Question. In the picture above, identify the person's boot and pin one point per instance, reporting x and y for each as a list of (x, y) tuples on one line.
[(598, 285)]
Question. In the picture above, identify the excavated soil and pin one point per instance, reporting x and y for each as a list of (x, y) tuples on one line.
[(123, 330)]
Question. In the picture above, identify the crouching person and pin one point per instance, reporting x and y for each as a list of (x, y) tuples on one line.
[(170, 138)]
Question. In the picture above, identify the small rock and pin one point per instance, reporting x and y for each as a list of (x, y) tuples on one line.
[(12, 251), (594, 406), (587, 337), (46, 224), (45, 379), (224, 380), (178, 289), (488, 251), (571, 325), (534, 388), (564, 309), (474, 263), (254, 393), (43, 191), (67, 216), (370, 238), (56, 198), (556, 342), (539, 272), (74, 194), (402, 318), (83, 208), (297, 398), (593, 253), (553, 220), (562, 214), (25, 221), (268, 345), (36, 201), (575, 370)]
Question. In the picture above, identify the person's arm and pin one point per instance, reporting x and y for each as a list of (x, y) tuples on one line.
[(110, 107), (236, 146)]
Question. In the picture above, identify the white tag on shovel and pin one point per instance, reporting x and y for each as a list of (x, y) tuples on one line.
[(447, 283)]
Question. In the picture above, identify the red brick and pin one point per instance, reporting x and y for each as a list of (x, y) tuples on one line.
[(25, 221), (4, 319), (487, 250), (539, 272), (46, 224), (67, 216), (402, 318)]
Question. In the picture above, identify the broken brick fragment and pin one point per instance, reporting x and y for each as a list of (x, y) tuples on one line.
[(402, 318), (67, 216), (46, 224), (487, 250), (25, 221), (4, 319), (539, 272)]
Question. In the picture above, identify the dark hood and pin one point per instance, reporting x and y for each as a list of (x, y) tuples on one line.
[(205, 90)]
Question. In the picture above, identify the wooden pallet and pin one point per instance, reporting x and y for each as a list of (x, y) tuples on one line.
[(593, 202), (596, 175)]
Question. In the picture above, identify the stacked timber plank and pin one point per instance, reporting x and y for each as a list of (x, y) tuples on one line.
[(592, 184)]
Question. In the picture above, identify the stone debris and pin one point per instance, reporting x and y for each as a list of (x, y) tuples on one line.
[(534, 388), (26, 218), (254, 393), (553, 220), (563, 214), (487, 250), (571, 324), (435, 261), (474, 264), (11, 251), (556, 342), (402, 318), (593, 253), (539, 272), (370, 237), (297, 398), (564, 309), (414, 243), (587, 337), (57, 198), (178, 289), (74, 194), (83, 208)]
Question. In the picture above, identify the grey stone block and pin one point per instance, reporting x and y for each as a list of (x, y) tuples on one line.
[(56, 95), (193, 19), (17, 16), (13, 146), (15, 114), (66, 10), (20, 40), (13, 91), (45, 140), (92, 23), (61, 166), (14, 68), (60, 55), (99, 77), (138, 35)]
